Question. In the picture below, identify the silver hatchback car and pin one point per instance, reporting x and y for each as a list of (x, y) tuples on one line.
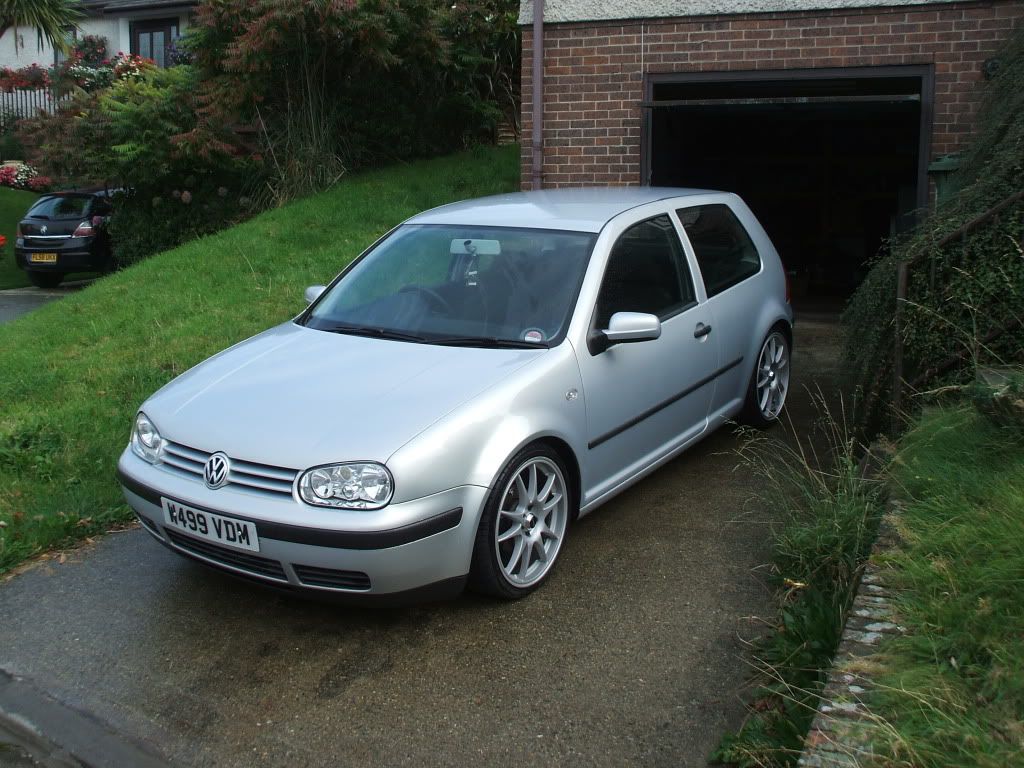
[(480, 377)]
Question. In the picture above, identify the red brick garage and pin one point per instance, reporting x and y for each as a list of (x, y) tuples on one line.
[(824, 114)]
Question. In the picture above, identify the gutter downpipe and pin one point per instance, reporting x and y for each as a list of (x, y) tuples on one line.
[(538, 94)]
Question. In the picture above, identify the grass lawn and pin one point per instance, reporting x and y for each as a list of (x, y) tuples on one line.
[(955, 683), (13, 204), (73, 372)]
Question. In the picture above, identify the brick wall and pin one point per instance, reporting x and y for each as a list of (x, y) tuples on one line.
[(593, 72)]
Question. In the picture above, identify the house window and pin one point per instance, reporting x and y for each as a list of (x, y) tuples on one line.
[(151, 37), (70, 37)]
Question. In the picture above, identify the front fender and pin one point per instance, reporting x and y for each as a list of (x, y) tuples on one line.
[(471, 445)]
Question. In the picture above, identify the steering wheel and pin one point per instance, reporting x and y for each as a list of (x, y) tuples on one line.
[(432, 297)]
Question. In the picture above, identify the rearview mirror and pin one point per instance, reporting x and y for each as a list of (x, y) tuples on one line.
[(313, 293), (625, 328)]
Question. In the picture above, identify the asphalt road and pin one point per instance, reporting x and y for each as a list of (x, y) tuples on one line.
[(630, 655), (19, 301)]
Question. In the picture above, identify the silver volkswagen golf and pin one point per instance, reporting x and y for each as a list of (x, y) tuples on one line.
[(479, 378)]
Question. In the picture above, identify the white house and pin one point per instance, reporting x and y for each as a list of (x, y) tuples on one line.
[(144, 27)]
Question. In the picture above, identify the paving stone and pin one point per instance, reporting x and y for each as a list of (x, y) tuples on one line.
[(884, 626)]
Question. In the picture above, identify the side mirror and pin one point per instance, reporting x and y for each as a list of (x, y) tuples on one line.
[(313, 293), (625, 328)]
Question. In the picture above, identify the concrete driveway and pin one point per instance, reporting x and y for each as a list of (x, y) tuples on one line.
[(631, 655)]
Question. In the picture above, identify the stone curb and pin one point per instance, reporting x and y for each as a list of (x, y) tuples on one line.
[(843, 730)]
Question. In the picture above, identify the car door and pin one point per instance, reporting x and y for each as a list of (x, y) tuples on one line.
[(729, 265), (647, 398)]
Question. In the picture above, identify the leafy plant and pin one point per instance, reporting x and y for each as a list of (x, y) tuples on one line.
[(329, 85), (30, 78), (827, 513), (965, 302), (91, 50), (49, 18)]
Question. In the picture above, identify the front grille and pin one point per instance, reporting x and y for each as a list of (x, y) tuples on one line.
[(244, 475), (259, 566), (312, 576)]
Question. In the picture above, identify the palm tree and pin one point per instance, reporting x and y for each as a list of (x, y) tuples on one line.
[(50, 18)]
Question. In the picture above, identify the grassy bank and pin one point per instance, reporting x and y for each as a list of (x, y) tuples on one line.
[(955, 682), (13, 205), (73, 373)]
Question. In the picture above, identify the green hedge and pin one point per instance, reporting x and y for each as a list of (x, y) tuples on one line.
[(959, 294)]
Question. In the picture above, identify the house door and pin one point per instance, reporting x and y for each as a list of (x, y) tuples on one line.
[(151, 37)]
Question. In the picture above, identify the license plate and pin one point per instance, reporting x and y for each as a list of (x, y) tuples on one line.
[(240, 534), (43, 258)]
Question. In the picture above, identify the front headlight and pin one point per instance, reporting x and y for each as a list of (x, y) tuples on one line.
[(146, 441), (355, 485)]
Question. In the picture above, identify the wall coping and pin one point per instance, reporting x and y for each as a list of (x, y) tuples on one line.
[(560, 11)]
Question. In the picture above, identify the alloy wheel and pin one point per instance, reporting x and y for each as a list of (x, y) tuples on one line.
[(772, 383), (532, 519)]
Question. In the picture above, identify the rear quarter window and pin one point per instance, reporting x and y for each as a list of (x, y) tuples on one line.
[(725, 253)]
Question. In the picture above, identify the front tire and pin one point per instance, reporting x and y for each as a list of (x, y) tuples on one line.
[(45, 279), (769, 383), (523, 526)]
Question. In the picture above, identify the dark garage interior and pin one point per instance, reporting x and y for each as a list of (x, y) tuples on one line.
[(830, 165)]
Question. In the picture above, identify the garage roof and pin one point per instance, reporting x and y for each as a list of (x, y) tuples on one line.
[(607, 10), (569, 209)]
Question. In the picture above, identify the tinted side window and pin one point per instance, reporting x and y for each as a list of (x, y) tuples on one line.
[(646, 272), (724, 250)]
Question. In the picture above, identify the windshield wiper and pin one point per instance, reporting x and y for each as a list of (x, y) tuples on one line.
[(489, 342), (376, 333)]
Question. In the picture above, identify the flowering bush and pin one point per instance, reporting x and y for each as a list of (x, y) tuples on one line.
[(177, 54), (88, 78), (82, 70), (130, 65), (30, 78), (24, 176), (91, 50)]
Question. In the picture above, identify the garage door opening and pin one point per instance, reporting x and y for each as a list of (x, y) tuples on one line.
[(833, 162)]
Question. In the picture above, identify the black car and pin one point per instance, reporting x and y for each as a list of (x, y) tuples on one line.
[(65, 232)]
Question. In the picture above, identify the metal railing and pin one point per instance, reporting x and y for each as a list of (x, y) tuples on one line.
[(16, 104)]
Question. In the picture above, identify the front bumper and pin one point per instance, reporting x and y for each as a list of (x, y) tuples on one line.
[(402, 548)]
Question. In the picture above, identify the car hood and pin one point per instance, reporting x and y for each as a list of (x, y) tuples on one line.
[(297, 397)]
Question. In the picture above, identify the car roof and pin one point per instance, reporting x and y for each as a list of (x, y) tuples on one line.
[(581, 209)]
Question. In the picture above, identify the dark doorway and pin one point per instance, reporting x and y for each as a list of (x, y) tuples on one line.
[(830, 162)]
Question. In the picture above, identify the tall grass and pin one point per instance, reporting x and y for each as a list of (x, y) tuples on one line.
[(824, 512), (952, 688)]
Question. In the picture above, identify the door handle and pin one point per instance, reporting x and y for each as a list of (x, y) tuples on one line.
[(701, 330)]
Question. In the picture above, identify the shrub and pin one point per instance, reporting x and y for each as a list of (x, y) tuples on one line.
[(91, 50), (30, 78), (331, 86), (24, 176), (10, 147), (967, 293), (145, 223), (81, 73)]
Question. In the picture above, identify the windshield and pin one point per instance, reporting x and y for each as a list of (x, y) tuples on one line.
[(461, 285), (61, 207)]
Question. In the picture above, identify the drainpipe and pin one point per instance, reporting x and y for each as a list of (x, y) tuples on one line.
[(538, 93)]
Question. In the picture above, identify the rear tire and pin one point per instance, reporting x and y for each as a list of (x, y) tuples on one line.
[(45, 279), (524, 524), (769, 383)]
